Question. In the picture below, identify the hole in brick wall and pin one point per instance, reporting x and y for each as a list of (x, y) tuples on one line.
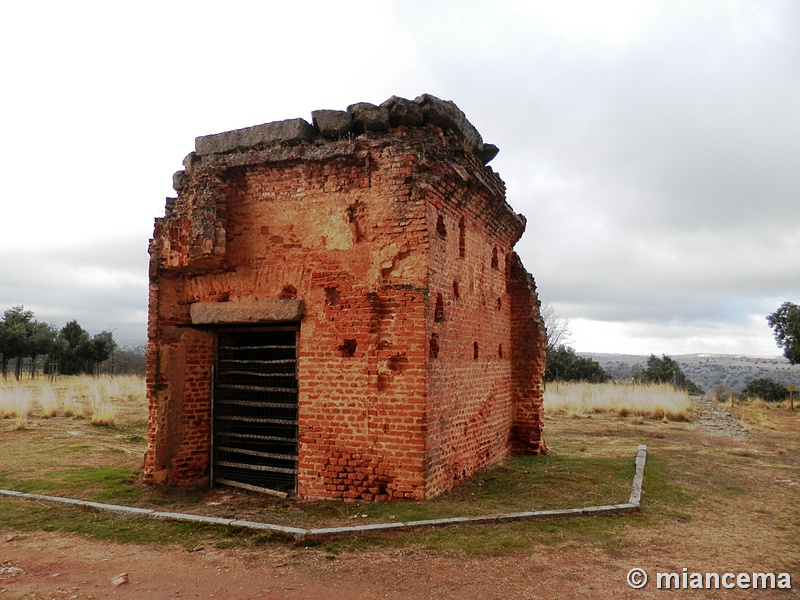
[(462, 238), (224, 297), (354, 213), (383, 382), (455, 290), (474, 349), (499, 304), (500, 351), (438, 313), (348, 348), (495, 261), (434, 346), (440, 228), (289, 292), (331, 296), (397, 362)]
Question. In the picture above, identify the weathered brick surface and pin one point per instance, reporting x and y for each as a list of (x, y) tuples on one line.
[(420, 347)]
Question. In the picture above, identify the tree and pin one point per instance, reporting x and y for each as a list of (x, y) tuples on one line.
[(563, 364), (42, 341), (16, 338), (5, 342), (661, 370), (131, 361), (785, 323), (101, 348), (767, 389), (557, 327), (78, 353), (73, 349), (667, 370)]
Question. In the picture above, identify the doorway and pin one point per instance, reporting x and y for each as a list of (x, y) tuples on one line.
[(255, 406)]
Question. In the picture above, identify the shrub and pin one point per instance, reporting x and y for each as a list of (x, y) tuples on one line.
[(767, 389), (564, 365), (667, 370)]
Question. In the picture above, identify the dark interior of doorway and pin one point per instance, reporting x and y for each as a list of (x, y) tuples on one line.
[(255, 410)]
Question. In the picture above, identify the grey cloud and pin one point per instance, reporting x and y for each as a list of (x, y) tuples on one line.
[(102, 284)]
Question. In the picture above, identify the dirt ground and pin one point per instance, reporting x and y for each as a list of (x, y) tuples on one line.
[(743, 516), (66, 566)]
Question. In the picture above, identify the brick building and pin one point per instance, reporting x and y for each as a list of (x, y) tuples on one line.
[(336, 309)]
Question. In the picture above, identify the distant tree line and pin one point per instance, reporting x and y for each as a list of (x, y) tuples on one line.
[(31, 344), (564, 364)]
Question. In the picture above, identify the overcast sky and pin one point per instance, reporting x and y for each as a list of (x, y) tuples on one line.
[(653, 146)]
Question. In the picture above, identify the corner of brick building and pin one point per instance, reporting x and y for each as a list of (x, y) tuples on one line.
[(420, 354)]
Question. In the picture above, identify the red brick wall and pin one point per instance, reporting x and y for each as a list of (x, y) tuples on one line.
[(471, 394), (179, 437), (528, 348), (366, 233)]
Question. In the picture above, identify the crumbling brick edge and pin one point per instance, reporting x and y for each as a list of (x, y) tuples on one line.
[(633, 504)]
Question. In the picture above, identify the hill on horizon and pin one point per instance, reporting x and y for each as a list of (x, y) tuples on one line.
[(725, 371)]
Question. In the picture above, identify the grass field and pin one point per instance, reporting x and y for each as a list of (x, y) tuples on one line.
[(706, 498), (98, 400), (655, 400)]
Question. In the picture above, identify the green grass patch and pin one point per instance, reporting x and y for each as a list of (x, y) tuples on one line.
[(33, 516), (105, 484), (521, 483)]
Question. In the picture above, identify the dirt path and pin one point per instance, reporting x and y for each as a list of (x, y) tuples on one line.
[(49, 565), (717, 420)]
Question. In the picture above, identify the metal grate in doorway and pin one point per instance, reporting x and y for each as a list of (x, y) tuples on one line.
[(255, 410)]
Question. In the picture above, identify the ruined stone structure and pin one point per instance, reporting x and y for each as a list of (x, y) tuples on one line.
[(336, 309)]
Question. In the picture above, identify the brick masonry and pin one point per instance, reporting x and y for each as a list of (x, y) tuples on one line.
[(382, 233)]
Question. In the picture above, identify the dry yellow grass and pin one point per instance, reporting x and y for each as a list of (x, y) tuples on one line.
[(102, 412), (49, 404), (15, 400), (97, 399), (660, 401)]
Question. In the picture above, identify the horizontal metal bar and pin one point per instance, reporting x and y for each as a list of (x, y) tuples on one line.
[(252, 488), (235, 465), (255, 388), (271, 346), (285, 405), (291, 373), (276, 361), (292, 457), (256, 420), (256, 437)]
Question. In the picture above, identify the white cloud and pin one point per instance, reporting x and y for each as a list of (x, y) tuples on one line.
[(652, 145)]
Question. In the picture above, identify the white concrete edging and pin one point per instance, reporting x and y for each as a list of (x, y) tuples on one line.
[(633, 505)]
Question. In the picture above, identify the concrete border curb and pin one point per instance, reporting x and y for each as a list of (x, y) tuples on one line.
[(633, 505)]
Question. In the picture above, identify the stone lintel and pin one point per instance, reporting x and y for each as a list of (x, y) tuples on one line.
[(332, 123), (290, 132), (246, 311)]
